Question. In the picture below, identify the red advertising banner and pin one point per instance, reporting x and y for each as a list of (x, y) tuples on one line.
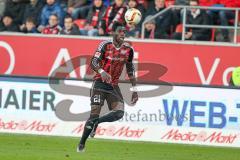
[(185, 63)]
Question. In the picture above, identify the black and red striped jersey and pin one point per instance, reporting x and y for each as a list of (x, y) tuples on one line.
[(112, 60)]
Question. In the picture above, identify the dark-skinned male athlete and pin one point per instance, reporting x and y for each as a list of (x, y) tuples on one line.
[(108, 62)]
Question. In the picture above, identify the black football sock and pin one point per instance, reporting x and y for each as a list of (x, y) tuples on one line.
[(111, 116), (88, 128), (95, 127)]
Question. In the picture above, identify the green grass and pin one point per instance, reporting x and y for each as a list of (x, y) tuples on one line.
[(29, 147)]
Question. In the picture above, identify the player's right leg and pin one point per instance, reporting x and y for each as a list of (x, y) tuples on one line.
[(116, 106), (97, 101)]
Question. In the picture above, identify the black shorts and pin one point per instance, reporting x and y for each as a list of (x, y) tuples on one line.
[(102, 91)]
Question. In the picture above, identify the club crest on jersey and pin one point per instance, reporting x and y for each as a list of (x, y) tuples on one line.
[(97, 54)]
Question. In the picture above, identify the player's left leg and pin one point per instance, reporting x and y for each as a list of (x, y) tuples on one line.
[(115, 114)]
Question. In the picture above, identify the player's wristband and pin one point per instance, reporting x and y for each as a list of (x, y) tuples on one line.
[(100, 70), (134, 89)]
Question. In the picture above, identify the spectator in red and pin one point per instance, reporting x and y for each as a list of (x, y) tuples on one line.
[(114, 13), (163, 22), (30, 26), (196, 17), (95, 15), (7, 24), (52, 7), (53, 27), (69, 27)]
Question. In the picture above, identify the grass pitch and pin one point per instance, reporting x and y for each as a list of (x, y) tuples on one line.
[(29, 147)]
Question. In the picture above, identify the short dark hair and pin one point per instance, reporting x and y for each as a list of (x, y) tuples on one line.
[(68, 16), (31, 19), (55, 15), (8, 15), (116, 25)]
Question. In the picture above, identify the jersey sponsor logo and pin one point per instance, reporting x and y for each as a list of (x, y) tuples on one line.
[(97, 54), (108, 57), (123, 52), (115, 58)]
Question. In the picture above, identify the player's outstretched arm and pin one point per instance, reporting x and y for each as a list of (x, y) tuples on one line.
[(131, 75)]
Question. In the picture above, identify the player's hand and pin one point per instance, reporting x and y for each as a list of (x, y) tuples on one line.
[(106, 77), (134, 98)]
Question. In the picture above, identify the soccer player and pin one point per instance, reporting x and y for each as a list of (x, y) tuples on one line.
[(108, 62)]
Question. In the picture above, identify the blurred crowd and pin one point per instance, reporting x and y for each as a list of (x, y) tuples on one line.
[(96, 17)]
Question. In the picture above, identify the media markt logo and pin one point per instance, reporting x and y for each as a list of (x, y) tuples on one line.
[(23, 125), (115, 131), (202, 136)]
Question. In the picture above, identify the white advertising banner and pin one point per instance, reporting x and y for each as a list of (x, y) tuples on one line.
[(181, 114)]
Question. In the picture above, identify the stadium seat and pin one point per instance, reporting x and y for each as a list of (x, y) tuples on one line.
[(169, 3), (213, 34), (80, 23), (231, 21), (238, 38), (179, 28)]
